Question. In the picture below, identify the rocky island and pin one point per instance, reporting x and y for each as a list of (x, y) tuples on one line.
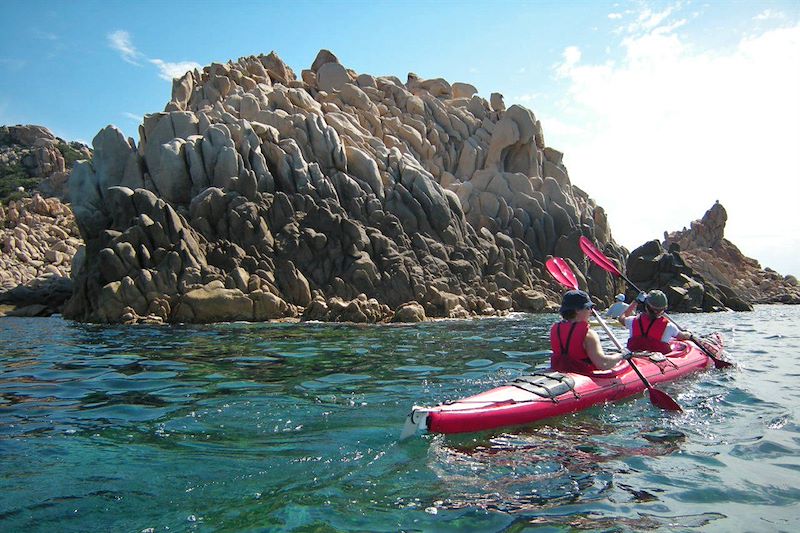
[(257, 195)]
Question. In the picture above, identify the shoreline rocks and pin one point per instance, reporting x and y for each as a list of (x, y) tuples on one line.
[(39, 239)]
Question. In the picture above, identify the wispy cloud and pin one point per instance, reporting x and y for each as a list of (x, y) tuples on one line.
[(132, 116), (168, 71), (615, 16), (11, 63), (121, 41), (769, 14), (45, 35)]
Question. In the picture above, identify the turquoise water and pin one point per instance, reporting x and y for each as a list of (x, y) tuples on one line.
[(260, 427)]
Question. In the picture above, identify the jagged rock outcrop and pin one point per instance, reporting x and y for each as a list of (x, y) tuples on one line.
[(32, 158), (705, 249), (652, 267), (337, 196), (39, 239)]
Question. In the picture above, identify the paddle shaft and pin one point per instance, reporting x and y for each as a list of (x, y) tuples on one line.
[(621, 349)]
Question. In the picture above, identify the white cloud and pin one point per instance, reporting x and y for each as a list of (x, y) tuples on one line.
[(120, 41), (168, 71), (559, 128), (677, 127), (615, 16), (572, 55)]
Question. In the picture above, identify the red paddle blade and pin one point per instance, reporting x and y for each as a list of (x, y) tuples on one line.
[(560, 270), (712, 346), (719, 363), (597, 257), (663, 400)]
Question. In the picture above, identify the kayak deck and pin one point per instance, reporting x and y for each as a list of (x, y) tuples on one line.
[(547, 394)]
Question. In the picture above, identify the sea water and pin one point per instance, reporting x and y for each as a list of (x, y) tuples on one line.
[(273, 427)]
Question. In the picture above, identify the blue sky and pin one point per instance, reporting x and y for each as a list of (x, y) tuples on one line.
[(661, 108)]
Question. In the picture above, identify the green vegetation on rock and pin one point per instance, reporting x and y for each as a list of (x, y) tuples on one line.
[(71, 155), (13, 176)]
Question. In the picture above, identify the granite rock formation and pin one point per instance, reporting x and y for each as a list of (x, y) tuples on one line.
[(32, 158), (704, 248), (256, 195), (39, 238)]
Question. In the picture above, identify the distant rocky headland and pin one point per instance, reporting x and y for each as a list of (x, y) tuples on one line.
[(337, 196), (704, 248)]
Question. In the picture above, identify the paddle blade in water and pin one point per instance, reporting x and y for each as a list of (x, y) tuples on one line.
[(720, 363), (597, 256), (712, 346), (663, 400)]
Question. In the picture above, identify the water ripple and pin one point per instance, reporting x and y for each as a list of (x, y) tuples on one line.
[(294, 426)]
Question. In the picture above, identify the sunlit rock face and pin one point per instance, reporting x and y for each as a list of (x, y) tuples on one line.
[(256, 195)]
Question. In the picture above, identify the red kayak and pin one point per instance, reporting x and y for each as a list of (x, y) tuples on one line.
[(547, 394)]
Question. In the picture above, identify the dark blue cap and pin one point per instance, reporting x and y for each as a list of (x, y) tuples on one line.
[(575, 300)]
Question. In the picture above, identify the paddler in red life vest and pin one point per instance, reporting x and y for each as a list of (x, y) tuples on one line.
[(650, 331), (576, 347)]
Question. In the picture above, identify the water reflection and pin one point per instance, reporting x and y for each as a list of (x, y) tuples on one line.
[(542, 467)]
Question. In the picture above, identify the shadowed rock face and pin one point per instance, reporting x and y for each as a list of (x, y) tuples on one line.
[(705, 248), (650, 266), (256, 195)]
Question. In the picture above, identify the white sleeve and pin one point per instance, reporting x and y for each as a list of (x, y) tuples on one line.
[(629, 324), (670, 332)]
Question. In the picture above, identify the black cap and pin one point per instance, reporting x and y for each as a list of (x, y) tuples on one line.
[(575, 300)]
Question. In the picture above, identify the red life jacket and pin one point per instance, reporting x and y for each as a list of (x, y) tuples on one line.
[(566, 341), (646, 334)]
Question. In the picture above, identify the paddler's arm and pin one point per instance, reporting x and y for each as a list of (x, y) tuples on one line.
[(627, 312), (631, 309), (597, 355)]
